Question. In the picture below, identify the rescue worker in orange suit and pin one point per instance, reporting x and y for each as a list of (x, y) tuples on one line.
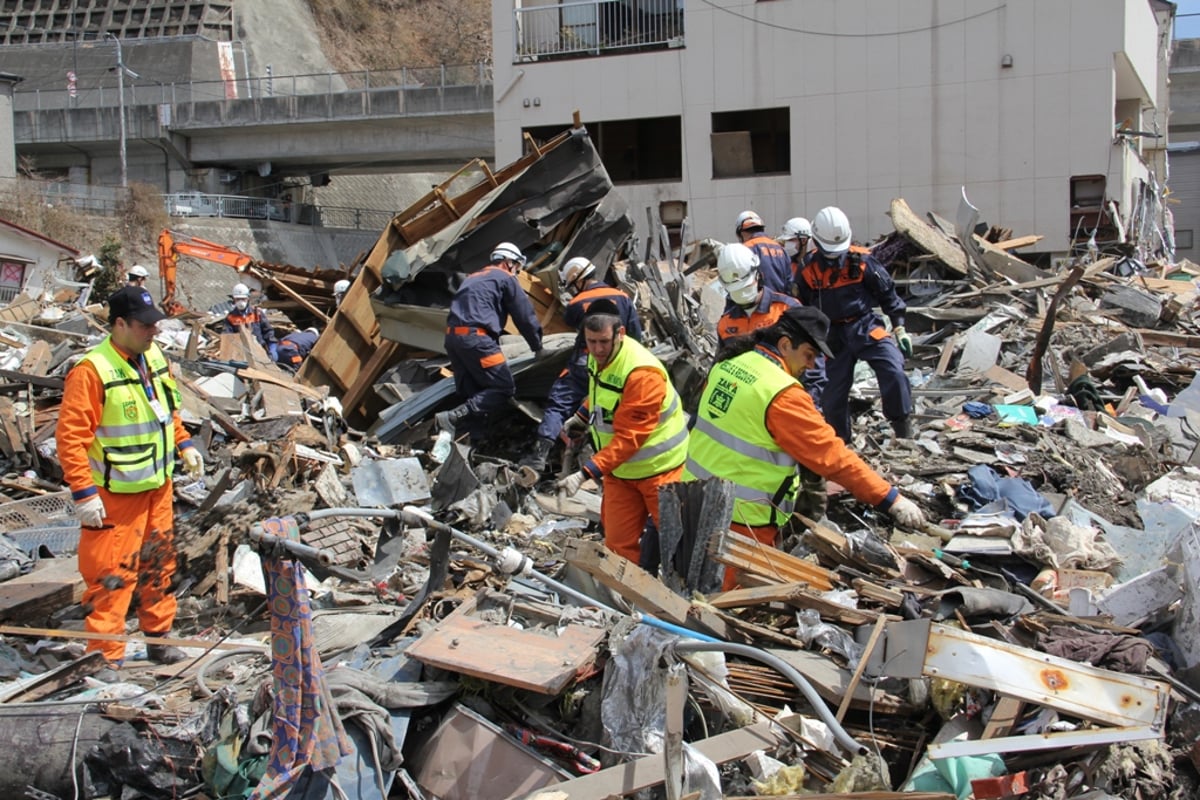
[(638, 428), (774, 266), (756, 423), (478, 314), (137, 276), (577, 280), (295, 347), (118, 430), (243, 313), (847, 283)]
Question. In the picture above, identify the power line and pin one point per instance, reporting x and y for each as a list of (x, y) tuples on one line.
[(791, 29)]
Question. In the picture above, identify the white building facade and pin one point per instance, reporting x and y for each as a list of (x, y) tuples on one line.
[(1041, 109)]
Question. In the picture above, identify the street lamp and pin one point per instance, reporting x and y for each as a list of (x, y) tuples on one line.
[(121, 70)]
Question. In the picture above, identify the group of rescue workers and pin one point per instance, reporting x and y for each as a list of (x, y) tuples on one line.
[(793, 312)]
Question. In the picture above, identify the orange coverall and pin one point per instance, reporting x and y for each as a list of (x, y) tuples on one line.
[(135, 551), (801, 430), (626, 502)]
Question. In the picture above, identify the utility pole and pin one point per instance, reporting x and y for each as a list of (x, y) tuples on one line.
[(121, 97)]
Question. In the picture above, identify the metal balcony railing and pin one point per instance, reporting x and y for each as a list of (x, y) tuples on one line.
[(596, 27)]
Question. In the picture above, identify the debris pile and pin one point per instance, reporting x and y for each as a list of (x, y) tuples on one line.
[(366, 603)]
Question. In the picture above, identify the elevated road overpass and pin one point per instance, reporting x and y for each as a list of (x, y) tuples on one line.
[(175, 130)]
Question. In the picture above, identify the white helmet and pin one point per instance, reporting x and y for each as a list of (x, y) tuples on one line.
[(507, 251), (574, 273), (341, 287), (831, 231), (796, 228), (737, 269), (240, 292), (747, 219), (138, 271)]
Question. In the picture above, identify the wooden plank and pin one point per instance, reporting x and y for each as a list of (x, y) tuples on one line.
[(93, 636), (37, 358), (876, 632), (497, 653), (625, 779), (643, 590), (1018, 242), (60, 677), (928, 238), (832, 682), (1005, 717), (757, 595), (283, 381), (741, 552), (55, 583)]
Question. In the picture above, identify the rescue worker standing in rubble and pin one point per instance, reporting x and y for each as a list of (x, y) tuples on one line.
[(117, 434), (478, 314), (774, 266), (137, 276), (847, 283), (243, 313), (756, 423), (794, 239), (295, 347), (577, 279), (638, 427)]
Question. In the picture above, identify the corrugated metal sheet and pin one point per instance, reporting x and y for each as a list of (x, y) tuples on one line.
[(1185, 202)]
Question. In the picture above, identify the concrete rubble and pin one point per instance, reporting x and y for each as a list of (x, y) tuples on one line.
[(472, 638)]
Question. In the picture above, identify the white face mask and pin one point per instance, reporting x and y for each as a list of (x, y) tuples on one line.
[(791, 246), (240, 305)]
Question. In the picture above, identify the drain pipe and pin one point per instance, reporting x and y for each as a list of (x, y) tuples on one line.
[(783, 668), (509, 561)]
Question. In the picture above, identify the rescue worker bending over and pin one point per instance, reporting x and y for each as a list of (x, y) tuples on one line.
[(339, 291), (637, 425), (118, 430), (478, 313), (847, 283), (756, 422), (577, 279), (243, 313), (295, 347), (773, 262)]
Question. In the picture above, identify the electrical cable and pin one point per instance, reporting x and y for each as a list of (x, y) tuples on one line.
[(789, 28)]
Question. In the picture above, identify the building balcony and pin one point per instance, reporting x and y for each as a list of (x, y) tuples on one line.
[(551, 31)]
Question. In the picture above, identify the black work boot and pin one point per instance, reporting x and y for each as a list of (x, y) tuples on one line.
[(446, 420), (902, 427), (164, 653), (541, 452)]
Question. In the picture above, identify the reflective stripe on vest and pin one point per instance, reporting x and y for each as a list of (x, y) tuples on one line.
[(665, 448), (133, 451), (730, 439)]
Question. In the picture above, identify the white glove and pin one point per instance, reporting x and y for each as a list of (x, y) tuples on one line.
[(572, 482), (91, 512), (907, 513), (193, 462), (544, 353)]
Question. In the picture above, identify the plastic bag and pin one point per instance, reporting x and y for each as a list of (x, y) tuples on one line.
[(817, 634)]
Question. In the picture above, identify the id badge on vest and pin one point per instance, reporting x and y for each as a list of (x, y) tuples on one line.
[(158, 410)]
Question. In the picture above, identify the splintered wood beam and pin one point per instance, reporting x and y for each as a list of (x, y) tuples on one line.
[(757, 595), (643, 590), (742, 552)]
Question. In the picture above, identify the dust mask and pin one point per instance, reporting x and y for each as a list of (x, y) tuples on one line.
[(791, 247), (240, 305)]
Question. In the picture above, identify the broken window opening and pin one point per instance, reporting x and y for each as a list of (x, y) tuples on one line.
[(1089, 217), (751, 142), (1183, 239), (633, 150)]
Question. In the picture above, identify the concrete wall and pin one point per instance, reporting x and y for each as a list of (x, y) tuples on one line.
[(885, 99), (8, 145)]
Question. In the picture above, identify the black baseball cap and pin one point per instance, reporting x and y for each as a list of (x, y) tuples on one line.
[(602, 306), (134, 302), (807, 323)]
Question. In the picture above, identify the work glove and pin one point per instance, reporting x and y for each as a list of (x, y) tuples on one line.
[(574, 427), (273, 351), (907, 513), (903, 340), (91, 512), (193, 462), (571, 483)]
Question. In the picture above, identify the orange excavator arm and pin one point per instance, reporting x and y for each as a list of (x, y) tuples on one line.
[(169, 251)]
